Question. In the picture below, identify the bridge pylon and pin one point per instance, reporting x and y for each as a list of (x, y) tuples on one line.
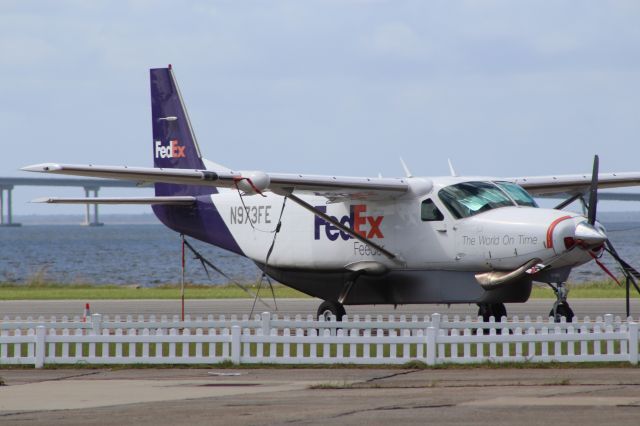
[(88, 220), (6, 219)]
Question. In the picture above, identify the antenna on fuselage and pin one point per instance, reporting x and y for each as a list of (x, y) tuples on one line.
[(407, 172), (451, 169)]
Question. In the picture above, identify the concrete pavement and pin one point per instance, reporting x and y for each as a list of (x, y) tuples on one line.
[(482, 396), (321, 396)]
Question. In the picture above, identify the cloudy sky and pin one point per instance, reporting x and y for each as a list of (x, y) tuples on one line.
[(339, 87)]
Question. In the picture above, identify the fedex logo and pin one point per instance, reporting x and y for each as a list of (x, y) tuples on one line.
[(357, 220), (174, 150)]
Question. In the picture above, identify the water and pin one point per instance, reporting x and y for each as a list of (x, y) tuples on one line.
[(149, 255), (113, 254), (625, 237)]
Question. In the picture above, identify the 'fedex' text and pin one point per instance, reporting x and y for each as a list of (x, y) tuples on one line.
[(174, 150), (367, 226)]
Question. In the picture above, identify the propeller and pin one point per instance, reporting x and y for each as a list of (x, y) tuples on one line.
[(593, 236), (593, 192), (631, 274)]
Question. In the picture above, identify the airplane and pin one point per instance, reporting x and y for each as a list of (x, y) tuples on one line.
[(370, 240)]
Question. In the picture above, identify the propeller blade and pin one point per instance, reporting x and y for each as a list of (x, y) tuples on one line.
[(628, 268), (631, 274), (593, 192)]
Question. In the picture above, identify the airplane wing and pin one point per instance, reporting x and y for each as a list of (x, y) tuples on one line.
[(253, 181), (570, 185), (609, 196)]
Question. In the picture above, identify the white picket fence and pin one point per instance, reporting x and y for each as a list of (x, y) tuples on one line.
[(268, 338)]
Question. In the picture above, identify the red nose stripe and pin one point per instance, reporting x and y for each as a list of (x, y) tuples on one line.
[(552, 227)]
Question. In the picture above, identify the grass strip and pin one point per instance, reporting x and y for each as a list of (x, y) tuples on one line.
[(58, 291)]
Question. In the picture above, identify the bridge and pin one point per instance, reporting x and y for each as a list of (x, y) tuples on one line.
[(7, 184)]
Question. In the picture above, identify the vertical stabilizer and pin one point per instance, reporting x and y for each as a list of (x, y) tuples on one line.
[(175, 147), (174, 142)]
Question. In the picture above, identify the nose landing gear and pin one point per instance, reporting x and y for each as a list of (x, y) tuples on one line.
[(561, 306)]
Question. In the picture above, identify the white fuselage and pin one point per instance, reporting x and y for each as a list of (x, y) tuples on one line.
[(500, 239)]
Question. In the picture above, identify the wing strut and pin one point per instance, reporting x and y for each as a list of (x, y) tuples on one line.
[(344, 229), (568, 201)]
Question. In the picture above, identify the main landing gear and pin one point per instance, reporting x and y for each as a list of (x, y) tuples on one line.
[(329, 308), (561, 306), (495, 310)]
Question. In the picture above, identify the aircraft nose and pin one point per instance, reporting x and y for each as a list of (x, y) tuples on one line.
[(589, 235), (568, 232)]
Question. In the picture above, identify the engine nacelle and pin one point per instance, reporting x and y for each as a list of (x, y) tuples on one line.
[(253, 182)]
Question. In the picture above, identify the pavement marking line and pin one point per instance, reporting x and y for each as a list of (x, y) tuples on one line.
[(532, 401), (77, 394)]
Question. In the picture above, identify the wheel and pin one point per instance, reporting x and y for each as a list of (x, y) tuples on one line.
[(563, 310), (499, 311), (496, 310), (328, 308), (484, 311), (488, 310)]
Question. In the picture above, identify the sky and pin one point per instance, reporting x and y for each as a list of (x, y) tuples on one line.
[(329, 87)]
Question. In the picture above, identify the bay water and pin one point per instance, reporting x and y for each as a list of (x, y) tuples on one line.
[(149, 255)]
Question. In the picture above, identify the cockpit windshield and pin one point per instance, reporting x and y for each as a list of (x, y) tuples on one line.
[(519, 195), (470, 198)]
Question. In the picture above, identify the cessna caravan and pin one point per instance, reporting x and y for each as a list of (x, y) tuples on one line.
[(369, 240)]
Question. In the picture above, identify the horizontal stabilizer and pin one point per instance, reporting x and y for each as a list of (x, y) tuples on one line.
[(175, 201), (136, 174)]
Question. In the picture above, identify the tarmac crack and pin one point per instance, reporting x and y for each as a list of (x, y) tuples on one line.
[(74, 376), (382, 408), (55, 379), (389, 376), (598, 388), (392, 408), (436, 384), (15, 413)]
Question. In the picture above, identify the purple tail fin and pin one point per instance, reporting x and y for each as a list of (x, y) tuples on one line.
[(175, 147), (174, 143)]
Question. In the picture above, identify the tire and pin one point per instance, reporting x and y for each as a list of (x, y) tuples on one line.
[(495, 310), (563, 310), (499, 311), (328, 308), (487, 310)]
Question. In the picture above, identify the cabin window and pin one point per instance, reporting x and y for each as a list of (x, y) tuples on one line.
[(429, 211)]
